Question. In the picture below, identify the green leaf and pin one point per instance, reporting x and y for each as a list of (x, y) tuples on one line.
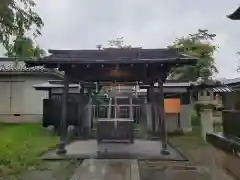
[(17, 18), (200, 46)]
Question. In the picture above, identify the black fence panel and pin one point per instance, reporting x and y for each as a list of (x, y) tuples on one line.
[(231, 123), (115, 131), (52, 109), (51, 112)]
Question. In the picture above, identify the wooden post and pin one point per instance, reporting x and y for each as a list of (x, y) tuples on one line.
[(50, 94), (148, 95), (82, 89), (88, 115), (81, 106), (162, 117), (151, 98), (63, 126), (131, 108), (109, 113), (148, 112)]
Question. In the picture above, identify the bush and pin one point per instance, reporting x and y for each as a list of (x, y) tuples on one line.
[(195, 121)]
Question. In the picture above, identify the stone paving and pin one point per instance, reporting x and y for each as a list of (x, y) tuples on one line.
[(125, 169), (100, 169), (140, 149), (199, 168), (52, 170)]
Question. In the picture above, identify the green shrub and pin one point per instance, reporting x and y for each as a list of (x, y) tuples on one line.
[(195, 121)]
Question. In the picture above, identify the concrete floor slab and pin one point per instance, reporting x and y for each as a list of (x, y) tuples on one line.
[(102, 169), (140, 149)]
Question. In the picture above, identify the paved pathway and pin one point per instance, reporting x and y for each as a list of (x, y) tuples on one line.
[(125, 169), (52, 170), (100, 169), (140, 149)]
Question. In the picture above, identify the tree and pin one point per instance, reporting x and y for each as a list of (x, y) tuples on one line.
[(115, 43), (199, 45), (118, 43), (24, 47), (16, 18)]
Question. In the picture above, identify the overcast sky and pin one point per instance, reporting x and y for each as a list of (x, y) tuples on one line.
[(82, 24)]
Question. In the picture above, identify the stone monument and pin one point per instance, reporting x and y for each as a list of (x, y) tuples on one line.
[(204, 103)]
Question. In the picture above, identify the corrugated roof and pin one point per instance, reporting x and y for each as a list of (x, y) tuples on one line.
[(222, 89)]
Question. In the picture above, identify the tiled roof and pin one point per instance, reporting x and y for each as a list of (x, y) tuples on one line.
[(230, 81), (235, 15), (222, 89), (9, 65), (115, 54), (20, 68)]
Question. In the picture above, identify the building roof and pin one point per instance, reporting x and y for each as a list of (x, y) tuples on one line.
[(20, 68), (171, 84), (230, 81), (48, 85), (121, 55), (14, 64), (235, 15), (222, 89), (115, 64), (17, 65)]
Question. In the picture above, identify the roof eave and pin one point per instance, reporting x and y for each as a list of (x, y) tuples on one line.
[(189, 61), (235, 15), (26, 73)]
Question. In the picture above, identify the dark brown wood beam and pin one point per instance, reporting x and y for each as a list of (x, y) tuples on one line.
[(162, 117), (63, 125)]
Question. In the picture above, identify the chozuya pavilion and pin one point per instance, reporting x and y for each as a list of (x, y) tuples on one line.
[(114, 65)]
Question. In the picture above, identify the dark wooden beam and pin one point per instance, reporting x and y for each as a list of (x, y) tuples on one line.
[(162, 117), (151, 100), (50, 94), (63, 126)]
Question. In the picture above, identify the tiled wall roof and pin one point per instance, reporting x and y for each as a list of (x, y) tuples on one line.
[(20, 68)]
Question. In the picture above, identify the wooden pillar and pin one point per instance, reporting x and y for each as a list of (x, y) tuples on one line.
[(63, 126), (82, 89), (148, 95), (80, 108), (50, 94), (131, 108), (148, 112), (109, 113), (162, 117), (89, 112), (151, 100)]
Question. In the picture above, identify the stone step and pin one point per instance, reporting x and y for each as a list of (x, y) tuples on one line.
[(107, 169)]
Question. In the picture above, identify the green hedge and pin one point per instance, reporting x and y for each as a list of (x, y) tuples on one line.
[(195, 121)]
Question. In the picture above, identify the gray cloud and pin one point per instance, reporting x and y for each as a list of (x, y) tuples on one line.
[(81, 24)]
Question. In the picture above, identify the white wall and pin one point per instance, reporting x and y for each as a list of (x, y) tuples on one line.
[(33, 100), (19, 101), (4, 97)]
